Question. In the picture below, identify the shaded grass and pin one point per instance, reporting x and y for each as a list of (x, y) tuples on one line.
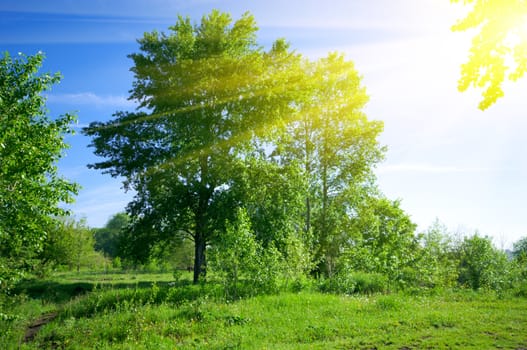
[(64, 286), (34, 297)]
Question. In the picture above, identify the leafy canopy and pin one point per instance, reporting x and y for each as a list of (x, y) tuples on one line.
[(499, 50), (107, 238), (31, 143), (519, 249), (206, 92), (337, 148)]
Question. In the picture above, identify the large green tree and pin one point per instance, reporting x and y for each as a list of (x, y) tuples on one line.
[(31, 143), (206, 93), (499, 49)]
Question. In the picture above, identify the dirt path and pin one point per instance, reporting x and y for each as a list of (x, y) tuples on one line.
[(34, 327)]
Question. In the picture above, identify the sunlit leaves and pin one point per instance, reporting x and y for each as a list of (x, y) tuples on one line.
[(499, 49), (31, 143), (337, 146), (207, 94), (225, 124), (384, 239)]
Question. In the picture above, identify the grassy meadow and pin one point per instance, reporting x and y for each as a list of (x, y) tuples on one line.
[(151, 311)]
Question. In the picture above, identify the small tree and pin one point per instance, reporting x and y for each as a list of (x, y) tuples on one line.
[(383, 239), (519, 250), (239, 257), (83, 251), (438, 259), (482, 265), (234, 257), (298, 259), (58, 248), (70, 244)]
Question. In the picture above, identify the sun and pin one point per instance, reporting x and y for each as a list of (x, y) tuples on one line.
[(523, 27), (515, 44), (515, 26)]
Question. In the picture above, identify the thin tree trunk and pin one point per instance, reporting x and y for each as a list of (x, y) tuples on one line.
[(308, 215), (324, 234), (307, 169)]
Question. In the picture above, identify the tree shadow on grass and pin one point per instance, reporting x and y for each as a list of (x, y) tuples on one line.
[(59, 293)]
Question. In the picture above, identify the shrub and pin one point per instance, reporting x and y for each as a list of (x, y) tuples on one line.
[(339, 283), (243, 265), (482, 265), (521, 289), (369, 283), (116, 263), (355, 282)]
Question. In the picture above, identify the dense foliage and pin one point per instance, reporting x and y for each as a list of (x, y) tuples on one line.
[(209, 90), (31, 143), (221, 121), (266, 158), (108, 238)]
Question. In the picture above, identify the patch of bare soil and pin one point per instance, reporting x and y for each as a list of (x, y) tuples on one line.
[(34, 327)]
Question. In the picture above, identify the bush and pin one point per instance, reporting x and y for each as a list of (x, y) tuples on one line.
[(355, 282), (521, 289), (243, 265), (338, 283), (116, 263), (368, 283), (482, 265), (299, 284)]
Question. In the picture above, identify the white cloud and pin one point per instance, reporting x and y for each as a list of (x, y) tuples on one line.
[(90, 98)]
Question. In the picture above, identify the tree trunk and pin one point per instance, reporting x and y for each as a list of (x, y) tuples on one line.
[(200, 245), (200, 236), (324, 230)]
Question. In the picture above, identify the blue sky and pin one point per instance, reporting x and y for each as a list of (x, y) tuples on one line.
[(446, 159)]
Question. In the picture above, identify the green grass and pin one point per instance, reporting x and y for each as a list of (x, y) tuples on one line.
[(158, 316)]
